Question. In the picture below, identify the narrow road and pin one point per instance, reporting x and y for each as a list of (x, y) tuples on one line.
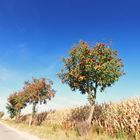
[(7, 133)]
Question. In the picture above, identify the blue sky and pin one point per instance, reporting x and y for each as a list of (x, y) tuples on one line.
[(36, 34)]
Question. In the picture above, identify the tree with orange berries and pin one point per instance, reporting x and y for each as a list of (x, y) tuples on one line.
[(38, 91), (88, 69)]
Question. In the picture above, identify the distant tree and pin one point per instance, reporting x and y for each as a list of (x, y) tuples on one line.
[(88, 69), (16, 102), (11, 106), (11, 110), (38, 91)]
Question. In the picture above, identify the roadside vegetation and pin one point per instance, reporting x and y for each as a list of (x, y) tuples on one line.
[(118, 121), (46, 132)]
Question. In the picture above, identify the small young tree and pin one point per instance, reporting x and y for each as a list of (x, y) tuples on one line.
[(16, 102), (38, 91), (88, 69)]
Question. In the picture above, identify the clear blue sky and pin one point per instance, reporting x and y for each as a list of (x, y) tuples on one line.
[(36, 34)]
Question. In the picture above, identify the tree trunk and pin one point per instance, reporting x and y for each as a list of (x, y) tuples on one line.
[(18, 115), (92, 99), (89, 120), (85, 126), (34, 109), (33, 114)]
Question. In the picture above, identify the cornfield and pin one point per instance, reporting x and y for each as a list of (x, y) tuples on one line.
[(115, 119)]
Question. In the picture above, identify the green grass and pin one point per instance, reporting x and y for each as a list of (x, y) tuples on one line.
[(55, 132)]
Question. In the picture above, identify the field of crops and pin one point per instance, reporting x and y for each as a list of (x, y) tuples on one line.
[(120, 120)]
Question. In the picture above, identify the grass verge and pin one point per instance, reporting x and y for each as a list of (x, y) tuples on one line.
[(55, 132)]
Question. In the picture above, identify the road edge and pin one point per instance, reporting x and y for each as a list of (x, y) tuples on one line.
[(21, 133)]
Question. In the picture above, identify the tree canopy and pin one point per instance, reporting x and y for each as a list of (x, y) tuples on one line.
[(90, 68), (87, 67)]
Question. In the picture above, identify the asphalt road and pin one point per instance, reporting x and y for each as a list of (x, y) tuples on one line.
[(8, 134)]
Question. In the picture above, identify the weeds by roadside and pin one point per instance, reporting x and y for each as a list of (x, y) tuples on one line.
[(116, 120)]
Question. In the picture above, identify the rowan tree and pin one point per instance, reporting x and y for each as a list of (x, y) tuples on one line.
[(88, 69), (38, 91)]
